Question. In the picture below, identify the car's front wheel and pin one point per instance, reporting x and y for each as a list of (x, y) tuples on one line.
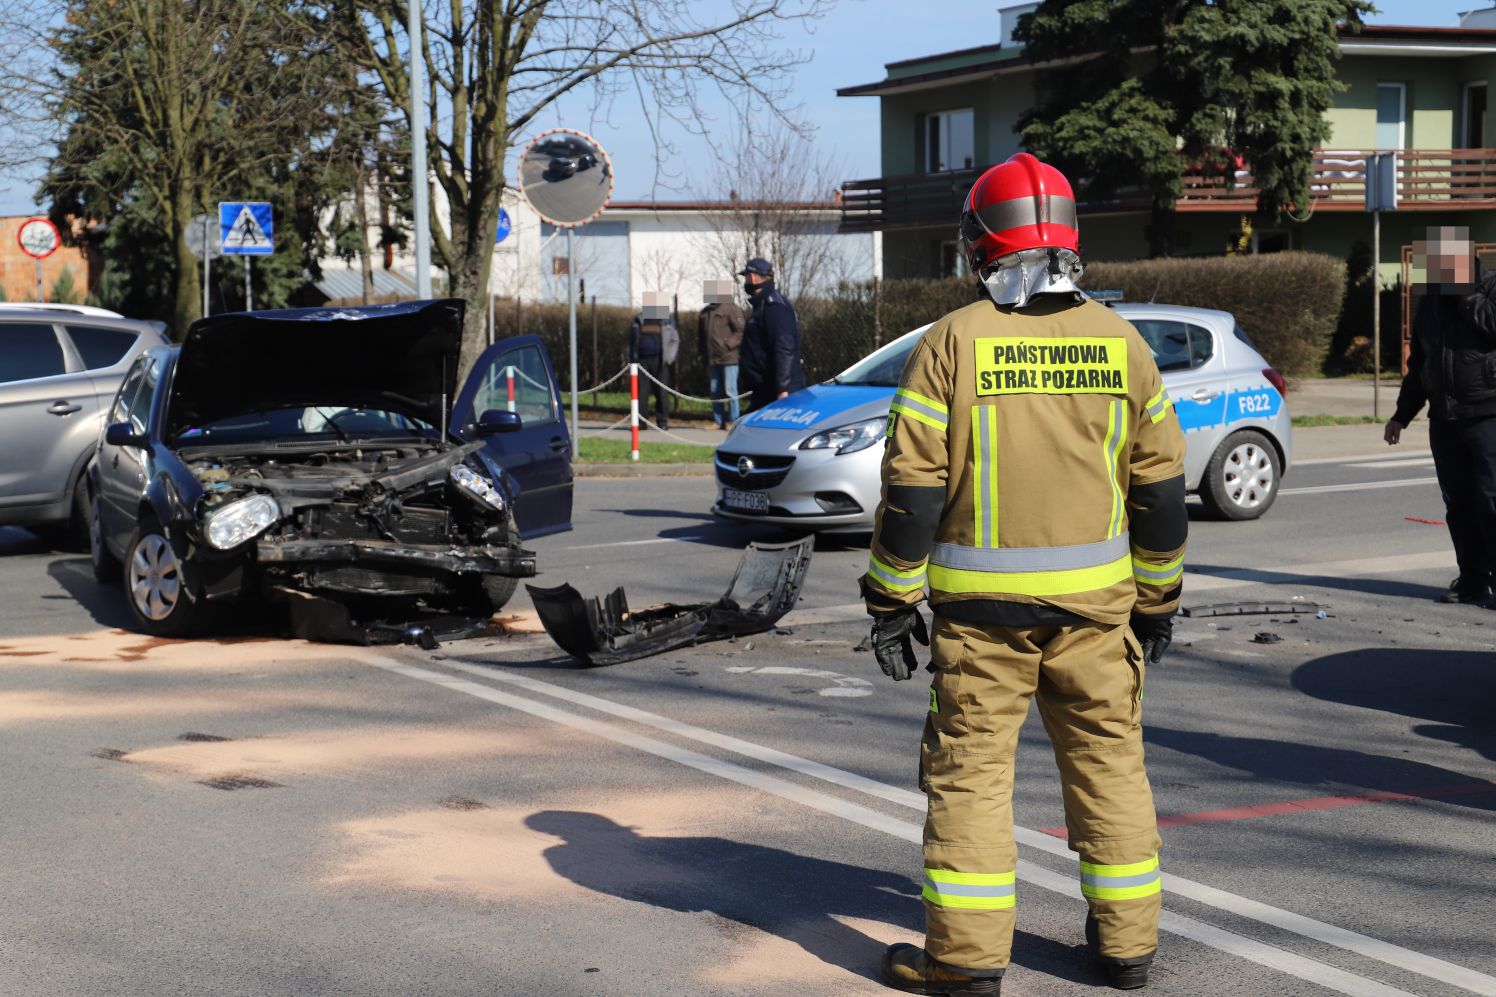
[(106, 567), (1241, 480), (157, 590), (498, 590)]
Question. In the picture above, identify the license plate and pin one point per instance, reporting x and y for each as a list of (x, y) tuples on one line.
[(745, 501)]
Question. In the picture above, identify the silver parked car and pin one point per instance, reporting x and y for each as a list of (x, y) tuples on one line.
[(60, 367), (812, 460)]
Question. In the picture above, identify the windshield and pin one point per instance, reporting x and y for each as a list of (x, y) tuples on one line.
[(308, 423), (884, 367)]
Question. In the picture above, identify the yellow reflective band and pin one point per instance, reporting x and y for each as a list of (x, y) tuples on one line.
[(1158, 405), (939, 408), (1051, 366), (984, 468), (1121, 892), (1111, 453), (919, 410), (1121, 882), (973, 878), (934, 702), (1069, 581), (971, 890), (1130, 869), (895, 579), (1158, 574)]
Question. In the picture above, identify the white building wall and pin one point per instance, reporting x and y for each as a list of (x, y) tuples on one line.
[(669, 249)]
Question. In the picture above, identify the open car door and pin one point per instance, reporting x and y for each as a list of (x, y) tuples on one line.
[(515, 375)]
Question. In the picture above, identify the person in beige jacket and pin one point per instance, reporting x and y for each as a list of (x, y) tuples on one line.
[(1033, 478)]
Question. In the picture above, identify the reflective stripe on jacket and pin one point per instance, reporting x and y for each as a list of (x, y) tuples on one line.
[(1032, 456)]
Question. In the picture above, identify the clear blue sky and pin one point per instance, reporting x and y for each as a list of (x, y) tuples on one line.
[(850, 46)]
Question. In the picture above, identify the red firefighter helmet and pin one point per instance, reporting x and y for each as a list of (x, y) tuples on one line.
[(1017, 205)]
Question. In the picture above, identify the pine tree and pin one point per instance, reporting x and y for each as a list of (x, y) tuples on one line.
[(1147, 89)]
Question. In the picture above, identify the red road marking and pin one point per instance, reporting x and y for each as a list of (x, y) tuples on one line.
[(1305, 806), (1426, 522)]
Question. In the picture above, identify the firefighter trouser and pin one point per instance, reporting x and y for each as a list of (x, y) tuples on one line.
[(1089, 680)]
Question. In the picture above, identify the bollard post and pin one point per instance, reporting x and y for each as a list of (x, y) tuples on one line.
[(509, 376), (634, 408)]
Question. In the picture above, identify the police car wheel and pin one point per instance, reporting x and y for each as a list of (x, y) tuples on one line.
[(1241, 480)]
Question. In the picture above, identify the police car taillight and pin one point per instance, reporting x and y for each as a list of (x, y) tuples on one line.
[(1276, 380)]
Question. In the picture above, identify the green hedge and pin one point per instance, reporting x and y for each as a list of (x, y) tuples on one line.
[(1289, 303)]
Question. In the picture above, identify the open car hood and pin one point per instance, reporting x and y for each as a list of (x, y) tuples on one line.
[(400, 358)]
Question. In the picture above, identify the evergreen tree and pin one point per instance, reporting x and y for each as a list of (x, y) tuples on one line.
[(1147, 89)]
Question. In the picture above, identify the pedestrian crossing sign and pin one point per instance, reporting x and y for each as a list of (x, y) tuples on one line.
[(246, 228)]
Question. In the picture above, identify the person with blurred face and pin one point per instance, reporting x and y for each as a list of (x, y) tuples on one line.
[(1452, 370)]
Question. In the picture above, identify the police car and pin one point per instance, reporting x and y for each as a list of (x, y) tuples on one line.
[(811, 460)]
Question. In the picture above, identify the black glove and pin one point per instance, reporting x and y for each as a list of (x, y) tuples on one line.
[(892, 644), (1155, 633)]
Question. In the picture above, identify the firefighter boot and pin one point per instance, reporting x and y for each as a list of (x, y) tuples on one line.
[(910, 969), (1125, 974)]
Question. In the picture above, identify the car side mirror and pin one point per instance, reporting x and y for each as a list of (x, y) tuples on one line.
[(122, 434), (495, 421)]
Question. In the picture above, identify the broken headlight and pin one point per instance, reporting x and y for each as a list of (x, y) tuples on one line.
[(477, 486), (850, 438), (230, 525)]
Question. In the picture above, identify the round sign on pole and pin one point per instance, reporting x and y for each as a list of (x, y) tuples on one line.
[(39, 238), (505, 227), (202, 236), (566, 176)]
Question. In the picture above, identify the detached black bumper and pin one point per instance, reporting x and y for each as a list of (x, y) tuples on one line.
[(512, 562)]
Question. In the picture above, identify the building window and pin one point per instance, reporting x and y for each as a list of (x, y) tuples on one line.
[(950, 140), (1391, 115), (1473, 135)]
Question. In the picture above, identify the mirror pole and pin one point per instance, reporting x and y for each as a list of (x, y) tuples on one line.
[(571, 314)]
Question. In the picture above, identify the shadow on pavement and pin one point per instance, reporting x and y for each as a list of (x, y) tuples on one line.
[(776, 891), (1454, 689), (1325, 770), (1369, 586), (105, 604), (15, 541)]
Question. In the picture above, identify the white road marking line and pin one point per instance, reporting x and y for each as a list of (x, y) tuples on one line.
[(1366, 567), (1314, 461), (1271, 956), (1393, 955), (844, 685), (635, 543), (1400, 462), (1358, 486)]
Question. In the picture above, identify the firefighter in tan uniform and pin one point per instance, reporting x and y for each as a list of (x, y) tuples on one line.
[(1034, 479)]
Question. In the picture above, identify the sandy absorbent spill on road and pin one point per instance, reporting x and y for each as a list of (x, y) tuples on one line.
[(123, 650), (285, 756), (37, 706), (680, 853)]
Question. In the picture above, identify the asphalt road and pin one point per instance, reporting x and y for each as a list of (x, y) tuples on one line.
[(739, 818)]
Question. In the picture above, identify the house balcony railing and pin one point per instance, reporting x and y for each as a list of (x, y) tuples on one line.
[(1428, 180)]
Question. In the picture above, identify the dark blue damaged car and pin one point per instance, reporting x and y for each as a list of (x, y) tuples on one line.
[(325, 459)]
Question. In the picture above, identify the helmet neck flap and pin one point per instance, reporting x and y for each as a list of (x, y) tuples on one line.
[(1017, 278)]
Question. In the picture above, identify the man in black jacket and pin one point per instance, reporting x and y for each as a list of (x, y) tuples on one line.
[(769, 357), (1452, 368)]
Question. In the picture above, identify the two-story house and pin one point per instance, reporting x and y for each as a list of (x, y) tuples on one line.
[(1421, 91)]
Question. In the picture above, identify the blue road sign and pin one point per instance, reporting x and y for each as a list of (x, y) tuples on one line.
[(505, 226), (246, 228)]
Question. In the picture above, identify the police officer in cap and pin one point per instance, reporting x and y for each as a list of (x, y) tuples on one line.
[(769, 358)]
